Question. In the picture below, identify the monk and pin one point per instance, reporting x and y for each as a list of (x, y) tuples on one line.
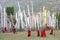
[(47, 27), (51, 32), (14, 29), (43, 33), (38, 33), (29, 31), (5, 30)]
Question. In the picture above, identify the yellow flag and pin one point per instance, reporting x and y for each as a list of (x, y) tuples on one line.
[(44, 13)]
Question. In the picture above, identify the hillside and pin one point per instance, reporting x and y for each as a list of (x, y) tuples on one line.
[(53, 5)]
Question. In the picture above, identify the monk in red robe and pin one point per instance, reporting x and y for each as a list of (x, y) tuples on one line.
[(5, 30), (47, 27), (14, 29), (51, 32), (38, 33), (29, 31), (43, 33)]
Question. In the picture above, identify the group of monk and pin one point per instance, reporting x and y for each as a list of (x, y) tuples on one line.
[(5, 30), (41, 32)]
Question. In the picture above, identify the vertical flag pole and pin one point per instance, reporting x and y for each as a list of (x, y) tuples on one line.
[(5, 22), (20, 16), (44, 13), (1, 17), (29, 26), (38, 34), (43, 33), (25, 17)]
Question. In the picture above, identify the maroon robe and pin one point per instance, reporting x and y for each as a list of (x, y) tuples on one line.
[(5, 30), (38, 33), (51, 32), (47, 27), (43, 33), (29, 33), (14, 29)]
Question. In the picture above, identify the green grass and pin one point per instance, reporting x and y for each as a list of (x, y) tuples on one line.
[(23, 36)]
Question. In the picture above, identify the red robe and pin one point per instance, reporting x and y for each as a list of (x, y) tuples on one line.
[(5, 30), (14, 30), (38, 33), (47, 27), (51, 32), (29, 33), (43, 33)]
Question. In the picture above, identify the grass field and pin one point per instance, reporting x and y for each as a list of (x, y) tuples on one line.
[(23, 36)]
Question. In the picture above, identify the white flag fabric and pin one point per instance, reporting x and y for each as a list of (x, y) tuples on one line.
[(41, 19), (1, 16), (25, 19), (37, 22), (5, 18), (48, 19), (28, 10), (17, 21), (28, 23), (53, 22), (18, 16)]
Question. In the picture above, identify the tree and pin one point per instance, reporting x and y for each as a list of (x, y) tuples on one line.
[(10, 11), (58, 18)]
